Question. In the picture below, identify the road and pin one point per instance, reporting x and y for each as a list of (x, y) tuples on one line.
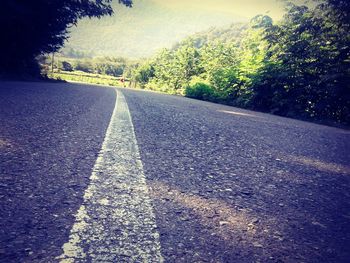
[(155, 178)]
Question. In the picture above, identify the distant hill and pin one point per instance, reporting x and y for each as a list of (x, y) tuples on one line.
[(142, 30), (232, 33)]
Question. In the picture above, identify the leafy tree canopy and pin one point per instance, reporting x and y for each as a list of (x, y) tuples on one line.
[(297, 67), (32, 27)]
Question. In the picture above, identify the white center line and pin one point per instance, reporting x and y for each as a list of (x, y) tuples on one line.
[(116, 222)]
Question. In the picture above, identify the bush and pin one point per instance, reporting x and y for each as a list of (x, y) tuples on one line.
[(65, 66), (201, 91), (85, 66)]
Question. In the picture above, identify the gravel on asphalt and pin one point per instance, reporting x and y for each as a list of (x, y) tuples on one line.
[(231, 185)]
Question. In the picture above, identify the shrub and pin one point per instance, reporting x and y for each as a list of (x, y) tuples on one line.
[(201, 91), (65, 66), (85, 66)]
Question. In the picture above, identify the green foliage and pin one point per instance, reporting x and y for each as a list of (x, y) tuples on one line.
[(144, 74), (65, 66), (171, 70), (298, 67), (99, 65), (201, 91), (81, 76), (309, 65), (31, 28), (83, 65), (109, 66)]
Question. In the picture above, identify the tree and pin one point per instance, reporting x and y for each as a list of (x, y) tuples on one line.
[(220, 63), (143, 74), (30, 28), (172, 70), (84, 65), (66, 66), (298, 67), (308, 75)]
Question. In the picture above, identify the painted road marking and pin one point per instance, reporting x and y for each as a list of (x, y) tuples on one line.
[(116, 222)]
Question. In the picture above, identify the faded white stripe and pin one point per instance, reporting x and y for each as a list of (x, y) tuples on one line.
[(116, 222)]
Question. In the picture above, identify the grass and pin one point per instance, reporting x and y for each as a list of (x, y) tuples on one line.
[(80, 76)]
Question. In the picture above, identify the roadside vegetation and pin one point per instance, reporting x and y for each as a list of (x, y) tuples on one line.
[(83, 77), (32, 28), (81, 67), (298, 67)]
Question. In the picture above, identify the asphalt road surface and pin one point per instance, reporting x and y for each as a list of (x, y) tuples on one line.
[(91, 175)]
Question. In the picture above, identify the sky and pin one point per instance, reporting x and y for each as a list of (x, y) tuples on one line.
[(245, 8)]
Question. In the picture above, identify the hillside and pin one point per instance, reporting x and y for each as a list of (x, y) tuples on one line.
[(231, 33), (143, 29)]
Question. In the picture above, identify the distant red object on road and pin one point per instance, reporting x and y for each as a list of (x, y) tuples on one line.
[(122, 80)]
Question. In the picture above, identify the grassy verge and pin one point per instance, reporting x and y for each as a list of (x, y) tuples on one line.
[(80, 76)]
